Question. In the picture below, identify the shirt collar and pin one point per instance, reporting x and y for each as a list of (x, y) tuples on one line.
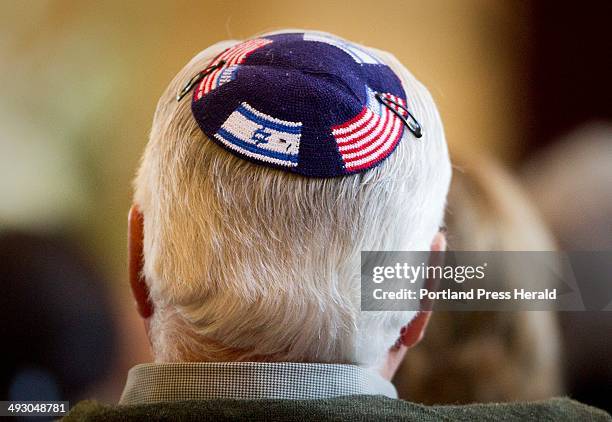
[(150, 383)]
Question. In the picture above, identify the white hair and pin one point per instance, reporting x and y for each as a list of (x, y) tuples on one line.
[(245, 262)]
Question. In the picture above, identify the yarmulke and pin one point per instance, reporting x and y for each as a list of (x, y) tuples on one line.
[(306, 103)]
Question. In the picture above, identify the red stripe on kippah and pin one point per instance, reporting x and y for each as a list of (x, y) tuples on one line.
[(372, 138), (381, 157), (380, 138), (383, 151), (370, 120), (352, 121), (375, 130), (232, 56)]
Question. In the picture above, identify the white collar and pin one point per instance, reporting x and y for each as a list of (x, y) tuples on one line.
[(150, 383)]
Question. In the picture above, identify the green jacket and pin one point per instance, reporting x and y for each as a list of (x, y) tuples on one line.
[(346, 408)]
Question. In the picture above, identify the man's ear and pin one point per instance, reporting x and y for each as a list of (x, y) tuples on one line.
[(438, 244), (140, 290), (411, 334)]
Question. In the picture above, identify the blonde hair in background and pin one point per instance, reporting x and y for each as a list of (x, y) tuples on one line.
[(245, 262), (469, 357)]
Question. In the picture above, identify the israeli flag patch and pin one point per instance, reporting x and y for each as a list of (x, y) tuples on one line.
[(261, 137), (358, 54)]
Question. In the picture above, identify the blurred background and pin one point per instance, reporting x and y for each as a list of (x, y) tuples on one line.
[(523, 84)]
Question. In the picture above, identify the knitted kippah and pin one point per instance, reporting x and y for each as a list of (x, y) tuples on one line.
[(307, 103)]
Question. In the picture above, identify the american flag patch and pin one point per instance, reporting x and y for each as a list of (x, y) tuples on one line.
[(233, 57), (370, 136)]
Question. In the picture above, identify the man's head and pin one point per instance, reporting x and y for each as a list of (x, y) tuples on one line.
[(245, 262)]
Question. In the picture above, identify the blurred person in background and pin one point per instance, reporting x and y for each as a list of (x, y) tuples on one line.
[(470, 357), (247, 277), (57, 320), (571, 184)]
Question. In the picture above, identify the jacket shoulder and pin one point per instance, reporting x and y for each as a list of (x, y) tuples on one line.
[(353, 408)]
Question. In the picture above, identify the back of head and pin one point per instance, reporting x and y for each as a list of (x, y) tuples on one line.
[(247, 262)]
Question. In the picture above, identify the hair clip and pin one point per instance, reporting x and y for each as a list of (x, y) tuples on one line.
[(197, 78), (411, 123)]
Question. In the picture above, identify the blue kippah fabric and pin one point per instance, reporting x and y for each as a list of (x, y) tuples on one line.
[(303, 103)]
